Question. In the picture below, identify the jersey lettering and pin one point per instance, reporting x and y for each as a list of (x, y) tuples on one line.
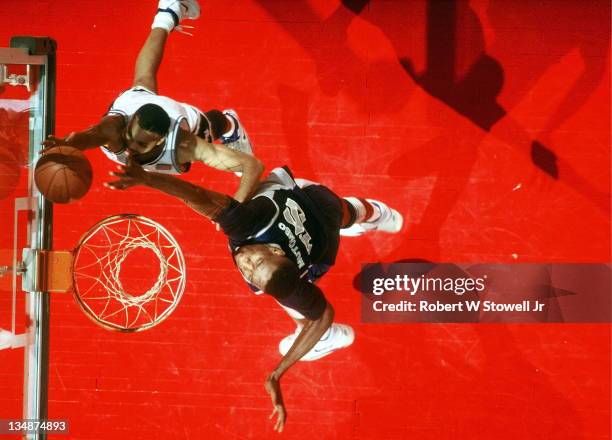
[(294, 215), (292, 245), (307, 240)]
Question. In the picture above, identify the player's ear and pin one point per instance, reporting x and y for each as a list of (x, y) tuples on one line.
[(160, 141), (132, 122)]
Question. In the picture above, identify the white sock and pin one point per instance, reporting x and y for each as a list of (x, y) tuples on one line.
[(304, 183), (360, 209), (379, 210), (358, 206), (164, 21)]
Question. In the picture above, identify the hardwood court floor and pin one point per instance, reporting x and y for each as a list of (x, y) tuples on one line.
[(433, 107)]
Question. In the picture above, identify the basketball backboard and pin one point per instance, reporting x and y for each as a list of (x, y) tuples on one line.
[(26, 116)]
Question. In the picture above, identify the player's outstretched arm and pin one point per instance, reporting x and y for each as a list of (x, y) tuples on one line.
[(290, 290), (309, 336), (223, 158), (281, 279), (106, 132), (206, 202)]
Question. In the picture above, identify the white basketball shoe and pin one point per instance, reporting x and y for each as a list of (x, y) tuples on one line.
[(178, 10), (336, 337), (389, 221), (238, 139)]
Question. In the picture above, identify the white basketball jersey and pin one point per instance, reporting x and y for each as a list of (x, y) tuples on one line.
[(181, 115)]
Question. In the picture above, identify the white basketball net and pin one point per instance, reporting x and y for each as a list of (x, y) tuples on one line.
[(97, 267)]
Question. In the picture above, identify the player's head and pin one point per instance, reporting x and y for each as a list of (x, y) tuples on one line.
[(284, 280), (258, 262), (147, 128)]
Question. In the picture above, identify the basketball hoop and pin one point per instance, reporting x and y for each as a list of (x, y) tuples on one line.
[(97, 266)]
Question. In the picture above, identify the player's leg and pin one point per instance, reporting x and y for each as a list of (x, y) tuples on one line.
[(169, 14), (358, 214), (225, 126), (235, 136), (149, 58), (361, 215), (214, 124), (336, 337)]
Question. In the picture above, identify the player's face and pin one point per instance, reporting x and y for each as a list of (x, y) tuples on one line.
[(257, 262), (139, 140)]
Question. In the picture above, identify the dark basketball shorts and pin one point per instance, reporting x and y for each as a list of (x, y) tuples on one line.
[(330, 214)]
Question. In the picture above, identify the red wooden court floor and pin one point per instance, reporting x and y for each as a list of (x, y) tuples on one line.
[(485, 122)]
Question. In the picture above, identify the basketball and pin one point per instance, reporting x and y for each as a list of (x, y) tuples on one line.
[(63, 174)]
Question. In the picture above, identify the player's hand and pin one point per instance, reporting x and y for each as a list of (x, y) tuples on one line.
[(54, 141), (274, 390), (129, 175)]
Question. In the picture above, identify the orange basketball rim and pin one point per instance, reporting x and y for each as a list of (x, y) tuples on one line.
[(95, 271)]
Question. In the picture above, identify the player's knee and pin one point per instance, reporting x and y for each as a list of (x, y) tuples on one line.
[(219, 123)]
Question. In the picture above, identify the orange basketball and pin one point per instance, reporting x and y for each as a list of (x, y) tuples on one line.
[(63, 174)]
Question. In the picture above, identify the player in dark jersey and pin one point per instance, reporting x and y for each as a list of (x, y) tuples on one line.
[(282, 241)]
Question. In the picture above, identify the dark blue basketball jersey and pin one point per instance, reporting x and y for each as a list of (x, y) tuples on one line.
[(293, 227), (283, 215)]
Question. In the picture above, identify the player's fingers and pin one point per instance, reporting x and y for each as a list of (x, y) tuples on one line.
[(129, 159), (126, 170), (133, 165), (51, 141), (119, 185), (279, 424), (273, 412), (111, 185)]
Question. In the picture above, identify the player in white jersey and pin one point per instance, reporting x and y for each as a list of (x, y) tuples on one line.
[(162, 134)]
